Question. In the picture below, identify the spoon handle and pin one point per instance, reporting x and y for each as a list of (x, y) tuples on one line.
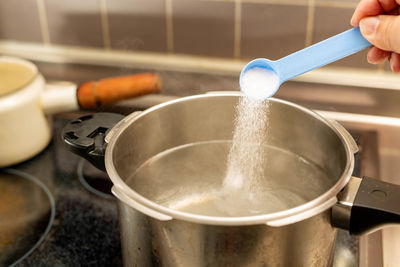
[(320, 54)]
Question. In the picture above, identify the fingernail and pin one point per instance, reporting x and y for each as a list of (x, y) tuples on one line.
[(369, 25)]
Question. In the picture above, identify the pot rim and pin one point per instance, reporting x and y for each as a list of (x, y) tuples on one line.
[(298, 213), (29, 94), (22, 62)]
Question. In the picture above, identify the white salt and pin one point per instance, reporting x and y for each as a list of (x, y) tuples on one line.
[(246, 160), (259, 83)]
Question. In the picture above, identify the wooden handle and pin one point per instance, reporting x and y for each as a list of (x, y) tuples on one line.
[(106, 91)]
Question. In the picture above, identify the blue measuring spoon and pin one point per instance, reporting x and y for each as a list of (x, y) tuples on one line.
[(312, 57)]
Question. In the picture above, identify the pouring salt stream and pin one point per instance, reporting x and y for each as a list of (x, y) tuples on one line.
[(245, 176)]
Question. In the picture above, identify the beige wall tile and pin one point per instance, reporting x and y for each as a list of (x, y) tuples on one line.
[(203, 28), (332, 1), (74, 22), (272, 31), (137, 24), (331, 21), (19, 20)]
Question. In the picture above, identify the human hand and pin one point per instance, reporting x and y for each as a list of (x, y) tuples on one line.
[(379, 23)]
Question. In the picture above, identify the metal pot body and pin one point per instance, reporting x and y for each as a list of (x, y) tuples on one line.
[(147, 241), (154, 235)]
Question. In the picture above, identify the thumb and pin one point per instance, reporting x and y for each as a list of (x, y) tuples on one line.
[(382, 31)]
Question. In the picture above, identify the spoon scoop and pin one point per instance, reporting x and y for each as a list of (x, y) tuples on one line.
[(261, 78)]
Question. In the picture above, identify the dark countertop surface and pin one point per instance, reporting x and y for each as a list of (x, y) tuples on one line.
[(85, 230)]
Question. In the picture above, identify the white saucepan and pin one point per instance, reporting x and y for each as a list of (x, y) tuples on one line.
[(26, 102)]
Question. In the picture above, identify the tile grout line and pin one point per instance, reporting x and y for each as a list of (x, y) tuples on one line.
[(237, 29), (169, 26), (44, 26), (105, 29), (310, 22)]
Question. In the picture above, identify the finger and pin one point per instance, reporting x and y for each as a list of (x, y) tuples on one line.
[(366, 8), (395, 62), (376, 55), (394, 12), (388, 5), (382, 31)]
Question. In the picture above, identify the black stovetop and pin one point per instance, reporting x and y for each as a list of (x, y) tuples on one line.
[(82, 228)]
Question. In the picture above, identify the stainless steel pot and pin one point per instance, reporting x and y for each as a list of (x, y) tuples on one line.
[(304, 235)]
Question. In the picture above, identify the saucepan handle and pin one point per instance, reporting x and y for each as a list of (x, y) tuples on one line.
[(85, 136), (366, 204)]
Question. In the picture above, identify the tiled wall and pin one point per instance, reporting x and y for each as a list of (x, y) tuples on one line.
[(241, 29)]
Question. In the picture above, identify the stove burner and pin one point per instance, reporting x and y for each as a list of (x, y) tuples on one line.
[(27, 211), (94, 180)]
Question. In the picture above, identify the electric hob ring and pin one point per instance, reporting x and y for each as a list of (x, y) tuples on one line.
[(94, 180), (27, 212)]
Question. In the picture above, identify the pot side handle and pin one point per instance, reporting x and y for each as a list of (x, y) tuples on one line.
[(376, 203), (85, 136)]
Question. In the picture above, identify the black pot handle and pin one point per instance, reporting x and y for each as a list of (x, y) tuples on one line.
[(85, 135), (366, 204)]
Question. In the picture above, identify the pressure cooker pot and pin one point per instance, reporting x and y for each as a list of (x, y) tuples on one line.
[(168, 163)]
